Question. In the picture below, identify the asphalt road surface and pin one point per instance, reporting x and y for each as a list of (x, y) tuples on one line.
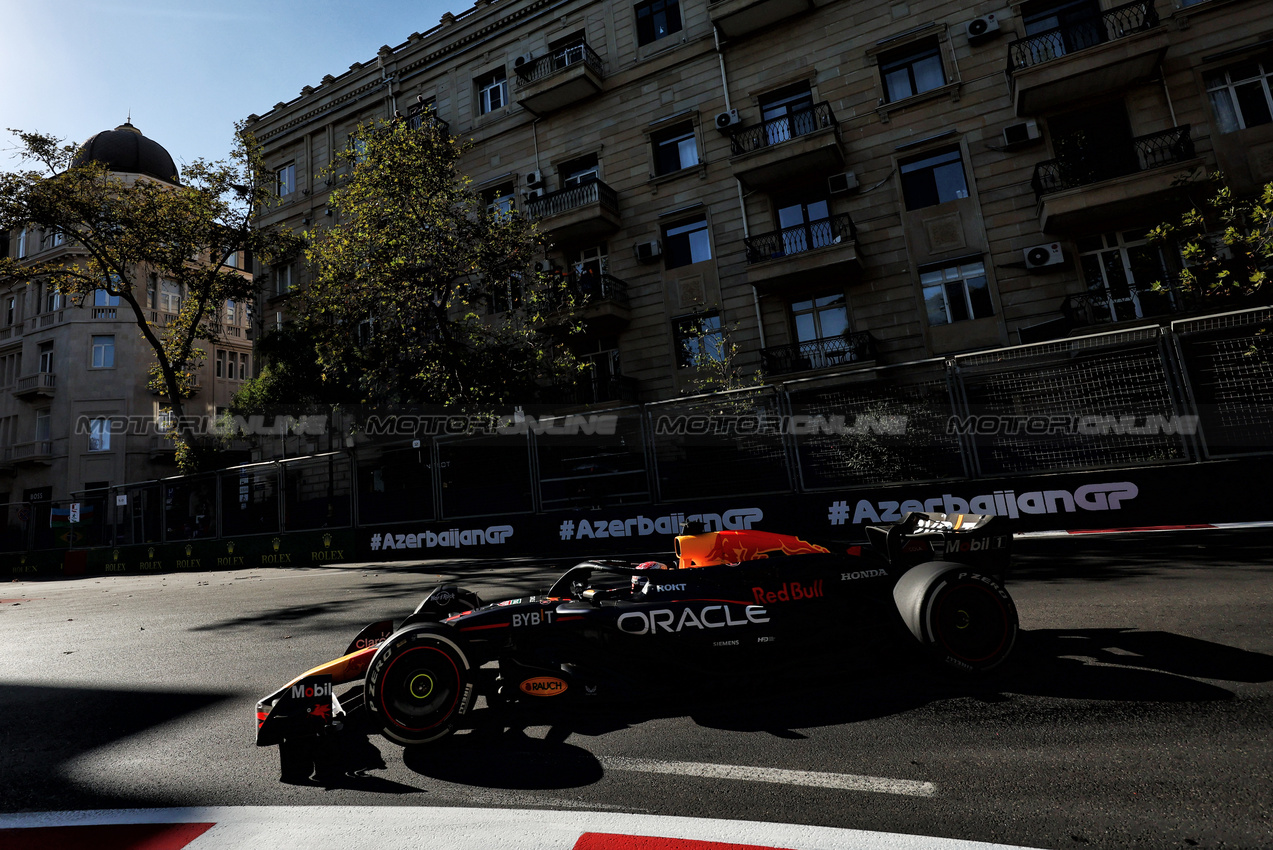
[(1136, 712)]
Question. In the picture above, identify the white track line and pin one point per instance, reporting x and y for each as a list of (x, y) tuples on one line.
[(411, 828), (843, 781)]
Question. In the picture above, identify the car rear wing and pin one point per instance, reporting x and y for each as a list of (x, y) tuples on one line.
[(975, 539)]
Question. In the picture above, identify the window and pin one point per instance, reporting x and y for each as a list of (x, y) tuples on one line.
[(913, 70), (492, 91), (243, 366), (99, 435), (10, 310), (52, 238), (1242, 94), (46, 357), (804, 225), (102, 298), (687, 243), (1119, 269), (698, 338), (220, 359), (787, 113), (231, 312), (499, 200), (821, 325), (43, 430), (52, 299), (585, 169), (956, 293), (674, 148), (283, 279), (1062, 27), (169, 296), (285, 180), (657, 19), (232, 260), (932, 179), (165, 420), (22, 243), (104, 352)]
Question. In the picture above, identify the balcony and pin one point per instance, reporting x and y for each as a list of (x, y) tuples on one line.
[(422, 115), (808, 251), (1099, 185), (38, 451), (802, 143), (601, 300), (559, 79), (737, 18), (39, 385), (1130, 304), (587, 211), (1073, 63), (162, 449), (824, 353)]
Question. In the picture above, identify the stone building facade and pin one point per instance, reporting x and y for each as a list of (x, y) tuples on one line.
[(76, 415), (835, 183)]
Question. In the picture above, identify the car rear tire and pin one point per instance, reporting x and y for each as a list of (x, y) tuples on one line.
[(419, 685), (965, 618)]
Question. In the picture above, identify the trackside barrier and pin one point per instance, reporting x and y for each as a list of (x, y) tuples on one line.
[(1164, 406)]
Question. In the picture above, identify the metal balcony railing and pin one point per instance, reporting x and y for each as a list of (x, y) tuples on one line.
[(573, 198), (1081, 32), (1098, 308), (421, 114), (592, 288), (819, 353), (1092, 163), (775, 131), (803, 237), (560, 59)]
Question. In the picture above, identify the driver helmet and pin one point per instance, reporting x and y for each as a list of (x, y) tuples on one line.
[(640, 583)]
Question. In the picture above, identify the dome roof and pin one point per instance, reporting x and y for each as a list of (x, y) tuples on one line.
[(125, 149)]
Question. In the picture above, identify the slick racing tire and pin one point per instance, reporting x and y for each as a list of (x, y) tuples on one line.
[(963, 617), (419, 685)]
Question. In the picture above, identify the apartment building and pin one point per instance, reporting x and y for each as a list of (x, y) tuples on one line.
[(837, 184), (76, 415)]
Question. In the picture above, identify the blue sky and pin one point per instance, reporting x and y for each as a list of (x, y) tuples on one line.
[(185, 69)]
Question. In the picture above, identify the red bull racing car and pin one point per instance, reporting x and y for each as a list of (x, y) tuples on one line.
[(733, 601)]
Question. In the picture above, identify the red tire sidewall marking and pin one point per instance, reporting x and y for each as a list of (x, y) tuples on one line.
[(459, 689)]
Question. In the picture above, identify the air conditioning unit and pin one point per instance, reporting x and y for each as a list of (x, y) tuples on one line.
[(1039, 256), (838, 184), (534, 195), (534, 179), (543, 266), (725, 120), (523, 60), (648, 251), (1020, 134), (982, 27)]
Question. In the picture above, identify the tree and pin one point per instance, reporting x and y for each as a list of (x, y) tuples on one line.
[(421, 292), (120, 230), (1226, 244)]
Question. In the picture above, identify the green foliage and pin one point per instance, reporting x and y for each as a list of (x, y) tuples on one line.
[(716, 360), (1226, 243), (122, 232), (400, 301)]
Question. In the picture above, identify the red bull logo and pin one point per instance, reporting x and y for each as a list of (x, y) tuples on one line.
[(734, 547)]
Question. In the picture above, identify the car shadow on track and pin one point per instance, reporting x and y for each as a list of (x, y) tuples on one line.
[(1102, 666)]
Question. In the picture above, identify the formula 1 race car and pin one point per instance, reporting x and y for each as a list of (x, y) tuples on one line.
[(733, 602)]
